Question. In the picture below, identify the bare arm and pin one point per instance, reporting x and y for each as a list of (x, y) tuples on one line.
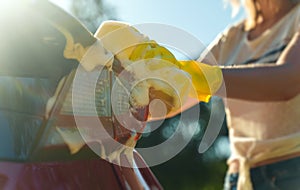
[(275, 82)]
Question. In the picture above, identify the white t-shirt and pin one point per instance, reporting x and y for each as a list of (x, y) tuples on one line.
[(260, 130)]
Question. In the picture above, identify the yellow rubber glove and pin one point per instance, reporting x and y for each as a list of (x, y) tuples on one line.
[(206, 79)]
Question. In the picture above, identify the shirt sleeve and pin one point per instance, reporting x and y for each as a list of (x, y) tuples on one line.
[(211, 54), (222, 46)]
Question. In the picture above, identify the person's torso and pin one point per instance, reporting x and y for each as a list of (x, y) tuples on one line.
[(251, 123)]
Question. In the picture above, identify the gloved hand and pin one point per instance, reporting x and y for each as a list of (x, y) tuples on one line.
[(206, 79)]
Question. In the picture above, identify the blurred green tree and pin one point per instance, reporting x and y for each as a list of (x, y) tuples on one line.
[(190, 170), (92, 12)]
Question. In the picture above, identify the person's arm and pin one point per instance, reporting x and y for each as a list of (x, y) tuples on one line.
[(276, 82)]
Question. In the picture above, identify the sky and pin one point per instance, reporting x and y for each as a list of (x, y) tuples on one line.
[(202, 18)]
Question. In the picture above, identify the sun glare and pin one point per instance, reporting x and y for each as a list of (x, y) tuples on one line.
[(9, 7)]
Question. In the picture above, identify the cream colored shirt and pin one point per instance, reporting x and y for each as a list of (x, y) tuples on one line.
[(259, 130)]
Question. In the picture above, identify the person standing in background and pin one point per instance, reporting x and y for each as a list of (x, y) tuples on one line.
[(260, 65)]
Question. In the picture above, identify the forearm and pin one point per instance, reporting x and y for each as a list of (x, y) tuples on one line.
[(266, 82), (261, 83)]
